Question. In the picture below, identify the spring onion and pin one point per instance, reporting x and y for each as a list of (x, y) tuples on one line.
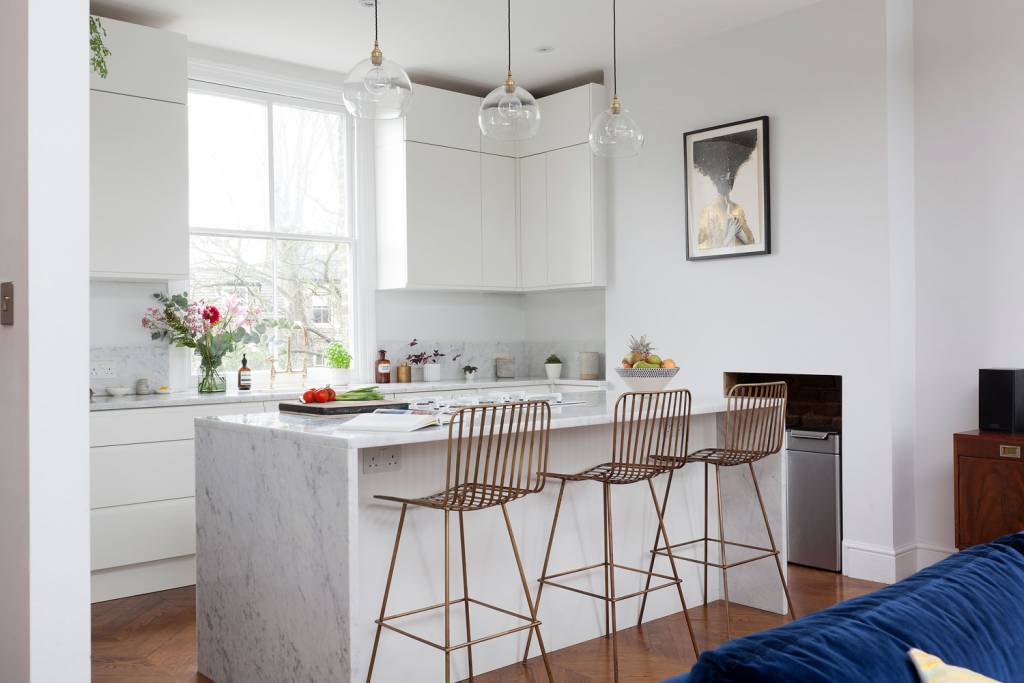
[(361, 394)]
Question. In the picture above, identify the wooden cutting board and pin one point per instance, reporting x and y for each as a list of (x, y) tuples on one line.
[(339, 407)]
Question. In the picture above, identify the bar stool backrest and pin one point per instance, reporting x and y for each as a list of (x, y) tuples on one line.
[(649, 424), (755, 419), (497, 453)]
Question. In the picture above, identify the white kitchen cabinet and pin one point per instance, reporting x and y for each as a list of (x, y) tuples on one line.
[(499, 249), (443, 219), (142, 473), (562, 223), (539, 218), (143, 62), (565, 119), (533, 225), (444, 118)]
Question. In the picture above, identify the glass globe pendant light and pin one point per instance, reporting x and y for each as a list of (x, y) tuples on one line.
[(509, 112), (376, 88), (614, 133)]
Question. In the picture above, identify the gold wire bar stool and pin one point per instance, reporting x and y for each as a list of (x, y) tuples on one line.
[(755, 422), (497, 453), (650, 434)]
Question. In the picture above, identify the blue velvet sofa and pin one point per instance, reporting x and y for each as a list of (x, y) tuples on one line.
[(967, 610)]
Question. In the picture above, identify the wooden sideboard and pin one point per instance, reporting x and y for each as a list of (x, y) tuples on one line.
[(988, 481)]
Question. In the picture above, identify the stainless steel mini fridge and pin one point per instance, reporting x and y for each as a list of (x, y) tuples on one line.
[(815, 499)]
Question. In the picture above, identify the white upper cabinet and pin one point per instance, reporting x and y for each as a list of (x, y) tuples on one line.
[(456, 210), (440, 117), (139, 157), (565, 119), (138, 188), (443, 194), (533, 226), (498, 215), (143, 62)]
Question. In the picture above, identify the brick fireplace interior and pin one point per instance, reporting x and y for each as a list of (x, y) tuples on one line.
[(815, 401)]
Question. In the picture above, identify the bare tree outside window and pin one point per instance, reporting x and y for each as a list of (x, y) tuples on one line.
[(269, 215)]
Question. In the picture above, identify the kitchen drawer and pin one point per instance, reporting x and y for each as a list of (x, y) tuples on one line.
[(147, 425), (130, 534), (143, 472), (990, 445)]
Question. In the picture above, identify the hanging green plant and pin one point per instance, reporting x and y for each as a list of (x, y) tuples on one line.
[(99, 51)]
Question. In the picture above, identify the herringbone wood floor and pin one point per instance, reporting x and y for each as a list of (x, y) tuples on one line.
[(151, 638)]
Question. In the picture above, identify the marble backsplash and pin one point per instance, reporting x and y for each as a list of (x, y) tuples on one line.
[(131, 363), (528, 356)]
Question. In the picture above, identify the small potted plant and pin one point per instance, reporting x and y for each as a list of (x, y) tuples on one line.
[(470, 371), (427, 361), (553, 367), (337, 359)]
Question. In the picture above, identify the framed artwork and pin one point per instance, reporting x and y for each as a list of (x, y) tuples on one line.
[(727, 190)]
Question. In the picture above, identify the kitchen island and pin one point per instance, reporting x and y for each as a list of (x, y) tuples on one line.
[(293, 549)]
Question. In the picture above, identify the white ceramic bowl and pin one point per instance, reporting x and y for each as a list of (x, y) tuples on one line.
[(118, 391), (647, 379)]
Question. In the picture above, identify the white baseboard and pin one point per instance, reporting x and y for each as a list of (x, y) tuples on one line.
[(147, 577), (886, 564)]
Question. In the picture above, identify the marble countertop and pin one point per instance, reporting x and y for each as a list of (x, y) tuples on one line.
[(332, 429), (192, 398)]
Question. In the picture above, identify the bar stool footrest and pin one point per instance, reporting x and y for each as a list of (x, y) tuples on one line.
[(767, 552), (531, 623), (671, 581)]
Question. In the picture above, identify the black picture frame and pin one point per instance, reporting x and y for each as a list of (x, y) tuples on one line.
[(760, 156)]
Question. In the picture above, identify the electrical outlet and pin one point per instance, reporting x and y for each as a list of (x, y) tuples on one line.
[(102, 369), (382, 460)]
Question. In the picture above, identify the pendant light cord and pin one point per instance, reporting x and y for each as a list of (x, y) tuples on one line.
[(509, 23), (615, 52), (375, 36)]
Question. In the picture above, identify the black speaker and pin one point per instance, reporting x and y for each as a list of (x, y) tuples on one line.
[(1001, 400)]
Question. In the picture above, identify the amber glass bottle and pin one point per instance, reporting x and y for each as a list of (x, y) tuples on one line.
[(382, 368), (244, 375)]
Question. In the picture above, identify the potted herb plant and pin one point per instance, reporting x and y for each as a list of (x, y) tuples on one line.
[(338, 360), (553, 367), (470, 372), (428, 363)]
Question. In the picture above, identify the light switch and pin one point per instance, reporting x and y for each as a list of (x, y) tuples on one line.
[(7, 303)]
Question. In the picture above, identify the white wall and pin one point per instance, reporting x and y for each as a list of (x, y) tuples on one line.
[(44, 234), (820, 303), (970, 103)]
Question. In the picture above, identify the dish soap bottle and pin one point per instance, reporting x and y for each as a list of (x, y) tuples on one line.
[(244, 375), (382, 368)]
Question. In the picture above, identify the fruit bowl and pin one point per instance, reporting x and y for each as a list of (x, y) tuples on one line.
[(647, 379)]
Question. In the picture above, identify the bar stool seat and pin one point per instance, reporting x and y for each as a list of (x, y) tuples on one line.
[(464, 498), (613, 473), (725, 457)]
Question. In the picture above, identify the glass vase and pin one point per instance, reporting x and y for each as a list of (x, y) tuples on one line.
[(211, 380)]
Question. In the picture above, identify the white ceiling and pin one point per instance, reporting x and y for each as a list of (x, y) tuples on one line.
[(452, 43)]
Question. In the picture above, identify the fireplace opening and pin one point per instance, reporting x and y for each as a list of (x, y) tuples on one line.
[(815, 401)]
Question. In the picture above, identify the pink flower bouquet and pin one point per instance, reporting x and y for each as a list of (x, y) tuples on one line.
[(211, 331)]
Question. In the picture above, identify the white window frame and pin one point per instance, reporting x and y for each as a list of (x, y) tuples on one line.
[(261, 88)]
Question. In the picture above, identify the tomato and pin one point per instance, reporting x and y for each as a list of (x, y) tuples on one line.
[(322, 396), (309, 396), (332, 393)]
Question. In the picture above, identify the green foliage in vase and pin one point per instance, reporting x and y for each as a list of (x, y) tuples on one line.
[(337, 356), (98, 51), (553, 360)]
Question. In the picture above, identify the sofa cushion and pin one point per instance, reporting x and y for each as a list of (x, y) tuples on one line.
[(967, 609)]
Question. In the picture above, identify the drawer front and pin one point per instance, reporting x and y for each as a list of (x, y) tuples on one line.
[(130, 534), (138, 473), (147, 425), (1010, 449)]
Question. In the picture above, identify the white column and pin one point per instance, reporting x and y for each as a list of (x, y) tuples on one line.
[(44, 235)]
